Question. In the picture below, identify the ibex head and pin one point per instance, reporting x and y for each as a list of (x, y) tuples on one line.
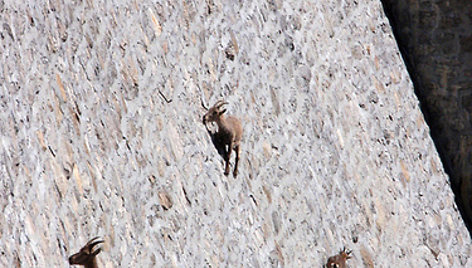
[(214, 113), (86, 255), (339, 261)]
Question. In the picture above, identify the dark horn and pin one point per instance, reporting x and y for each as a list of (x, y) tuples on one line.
[(92, 243), (203, 105), (220, 103), (91, 240), (96, 243)]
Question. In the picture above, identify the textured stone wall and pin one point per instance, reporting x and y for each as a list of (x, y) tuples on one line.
[(335, 151), (436, 41)]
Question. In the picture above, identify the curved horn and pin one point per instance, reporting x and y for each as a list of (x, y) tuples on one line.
[(92, 243), (203, 104), (95, 243), (91, 240), (220, 103)]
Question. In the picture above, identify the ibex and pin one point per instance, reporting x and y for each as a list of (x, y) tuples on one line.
[(339, 261), (86, 255), (228, 136)]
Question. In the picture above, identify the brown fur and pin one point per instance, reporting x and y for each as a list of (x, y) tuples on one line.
[(339, 261)]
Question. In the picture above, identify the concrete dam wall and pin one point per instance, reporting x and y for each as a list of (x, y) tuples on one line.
[(102, 135)]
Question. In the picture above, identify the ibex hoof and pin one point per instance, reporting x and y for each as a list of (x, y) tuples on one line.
[(226, 173)]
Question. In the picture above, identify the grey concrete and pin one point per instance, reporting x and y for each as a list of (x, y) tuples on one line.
[(335, 151)]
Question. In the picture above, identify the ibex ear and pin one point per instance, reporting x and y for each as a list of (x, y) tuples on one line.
[(222, 112), (95, 253)]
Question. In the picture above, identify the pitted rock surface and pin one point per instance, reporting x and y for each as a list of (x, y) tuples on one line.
[(335, 150)]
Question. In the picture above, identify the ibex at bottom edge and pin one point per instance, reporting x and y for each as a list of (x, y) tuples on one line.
[(87, 254)]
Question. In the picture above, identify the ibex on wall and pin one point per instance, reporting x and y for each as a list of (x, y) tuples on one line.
[(228, 136), (339, 261), (86, 255)]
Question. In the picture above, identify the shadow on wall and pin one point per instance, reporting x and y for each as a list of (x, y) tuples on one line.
[(436, 45)]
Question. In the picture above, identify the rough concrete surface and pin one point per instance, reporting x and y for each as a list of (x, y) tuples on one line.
[(335, 149)]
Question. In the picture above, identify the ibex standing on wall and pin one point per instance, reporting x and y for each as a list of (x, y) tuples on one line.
[(86, 255), (228, 136)]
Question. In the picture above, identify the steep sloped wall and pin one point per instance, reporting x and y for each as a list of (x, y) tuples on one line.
[(335, 151)]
